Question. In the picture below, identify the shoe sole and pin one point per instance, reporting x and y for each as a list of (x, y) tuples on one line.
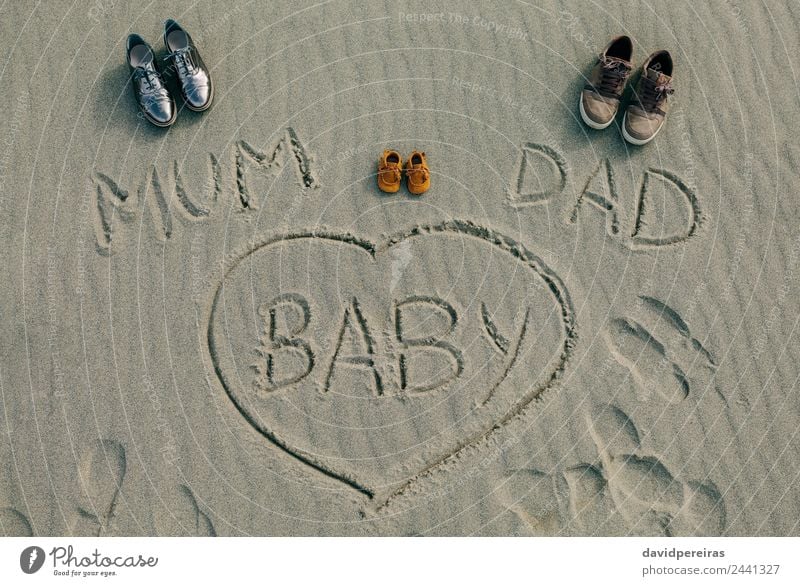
[(160, 124), (418, 190), (589, 122), (637, 141), (389, 188)]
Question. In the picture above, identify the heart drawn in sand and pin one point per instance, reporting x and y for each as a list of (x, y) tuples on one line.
[(378, 364)]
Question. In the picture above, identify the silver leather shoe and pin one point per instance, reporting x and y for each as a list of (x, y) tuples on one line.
[(151, 93), (191, 73)]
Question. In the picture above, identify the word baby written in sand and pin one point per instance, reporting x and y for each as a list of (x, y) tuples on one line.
[(164, 199), (666, 209), (288, 357)]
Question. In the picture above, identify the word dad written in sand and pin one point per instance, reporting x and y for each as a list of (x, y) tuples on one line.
[(666, 209), (166, 197)]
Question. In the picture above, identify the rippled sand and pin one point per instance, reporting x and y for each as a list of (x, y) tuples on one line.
[(225, 328)]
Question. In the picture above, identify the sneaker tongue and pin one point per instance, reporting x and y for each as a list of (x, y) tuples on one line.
[(657, 76), (618, 60)]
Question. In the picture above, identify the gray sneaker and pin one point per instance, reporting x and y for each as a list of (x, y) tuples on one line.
[(601, 94), (648, 108)]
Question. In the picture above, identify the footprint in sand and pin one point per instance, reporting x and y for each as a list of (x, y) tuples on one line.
[(650, 499), (184, 516), (14, 524), (102, 471), (191, 517), (659, 351), (625, 493), (533, 497)]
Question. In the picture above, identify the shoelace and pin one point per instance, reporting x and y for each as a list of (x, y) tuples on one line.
[(412, 174), (182, 59), (653, 93), (614, 74), (149, 76), (390, 174)]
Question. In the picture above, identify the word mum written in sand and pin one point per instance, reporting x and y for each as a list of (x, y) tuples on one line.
[(666, 209), (163, 194)]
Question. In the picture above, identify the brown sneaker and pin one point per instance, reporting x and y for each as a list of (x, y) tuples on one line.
[(646, 114), (390, 171), (602, 92), (418, 173)]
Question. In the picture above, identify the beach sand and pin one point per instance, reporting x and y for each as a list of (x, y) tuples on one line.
[(225, 328)]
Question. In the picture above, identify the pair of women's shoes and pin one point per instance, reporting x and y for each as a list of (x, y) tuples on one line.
[(186, 66), (390, 172), (647, 109)]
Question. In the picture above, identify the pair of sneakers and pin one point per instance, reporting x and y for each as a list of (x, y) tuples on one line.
[(149, 88), (390, 172), (647, 110)]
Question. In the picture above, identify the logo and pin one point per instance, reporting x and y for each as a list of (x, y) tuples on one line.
[(31, 559)]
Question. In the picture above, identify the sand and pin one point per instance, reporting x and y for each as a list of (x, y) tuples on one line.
[(226, 329)]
